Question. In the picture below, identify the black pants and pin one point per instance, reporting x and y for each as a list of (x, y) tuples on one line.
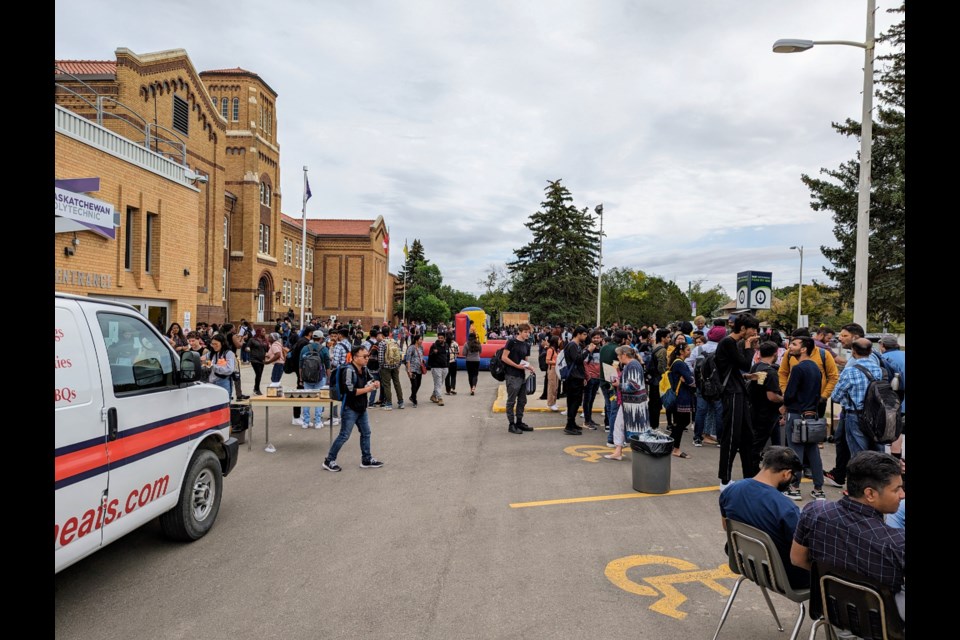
[(737, 438), (451, 380), (296, 410), (543, 396), (680, 421), (258, 372), (574, 400), (839, 471), (654, 406), (762, 432), (473, 372), (415, 381)]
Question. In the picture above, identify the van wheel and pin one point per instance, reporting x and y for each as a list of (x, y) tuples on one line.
[(199, 500)]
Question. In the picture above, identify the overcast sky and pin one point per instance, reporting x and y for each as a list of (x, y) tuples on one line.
[(448, 117)]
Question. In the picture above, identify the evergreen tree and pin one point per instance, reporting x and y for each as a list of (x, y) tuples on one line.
[(886, 291), (555, 275), (408, 280)]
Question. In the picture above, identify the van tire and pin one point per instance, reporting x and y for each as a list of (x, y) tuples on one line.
[(199, 501)]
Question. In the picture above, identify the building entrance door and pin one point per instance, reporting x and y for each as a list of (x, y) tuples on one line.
[(260, 303)]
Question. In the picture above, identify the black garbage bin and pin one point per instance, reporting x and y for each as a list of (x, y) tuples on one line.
[(651, 462), (241, 417)]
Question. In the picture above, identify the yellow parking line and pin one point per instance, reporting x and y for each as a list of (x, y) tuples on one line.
[(618, 496), (547, 428)]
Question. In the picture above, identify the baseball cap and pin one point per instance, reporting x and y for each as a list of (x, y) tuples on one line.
[(318, 335), (889, 342)]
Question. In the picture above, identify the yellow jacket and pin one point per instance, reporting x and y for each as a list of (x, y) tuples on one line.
[(829, 374)]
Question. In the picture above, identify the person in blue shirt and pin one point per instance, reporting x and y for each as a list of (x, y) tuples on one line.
[(895, 359), (850, 391), (760, 503)]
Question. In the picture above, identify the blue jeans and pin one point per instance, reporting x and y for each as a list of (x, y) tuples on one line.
[(809, 452), (611, 407), (348, 418), (589, 395), (317, 411), (276, 373), (223, 383), (856, 440), (709, 418), (374, 375)]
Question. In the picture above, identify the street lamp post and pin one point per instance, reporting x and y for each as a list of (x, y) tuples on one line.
[(599, 210), (800, 287), (866, 139)]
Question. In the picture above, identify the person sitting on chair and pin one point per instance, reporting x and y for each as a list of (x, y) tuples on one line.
[(851, 533), (760, 503)]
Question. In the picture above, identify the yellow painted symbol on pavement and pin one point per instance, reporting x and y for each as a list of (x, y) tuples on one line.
[(671, 598), (589, 452)]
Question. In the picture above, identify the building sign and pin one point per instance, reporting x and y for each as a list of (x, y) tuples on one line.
[(83, 279), (754, 290), (94, 214)]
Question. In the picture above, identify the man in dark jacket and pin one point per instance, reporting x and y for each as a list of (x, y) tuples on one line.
[(353, 409), (575, 355), (734, 359), (438, 361)]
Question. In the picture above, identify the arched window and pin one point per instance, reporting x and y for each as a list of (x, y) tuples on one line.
[(268, 196), (236, 109), (263, 193), (224, 108)]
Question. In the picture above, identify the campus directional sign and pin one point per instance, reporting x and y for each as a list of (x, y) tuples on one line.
[(754, 290)]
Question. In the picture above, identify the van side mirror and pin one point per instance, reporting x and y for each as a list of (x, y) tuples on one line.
[(189, 366)]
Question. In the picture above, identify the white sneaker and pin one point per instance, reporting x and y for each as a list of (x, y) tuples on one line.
[(298, 421), (564, 412), (334, 422), (554, 407), (318, 425), (724, 486)]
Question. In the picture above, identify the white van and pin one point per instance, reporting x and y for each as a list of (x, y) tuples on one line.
[(136, 437)]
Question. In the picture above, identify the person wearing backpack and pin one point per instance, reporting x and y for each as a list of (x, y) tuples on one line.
[(894, 358), (655, 368), (372, 345), (390, 357), (850, 392), (413, 361), (734, 358), (708, 417), (355, 386), (575, 355), (292, 365), (514, 358), (313, 376)]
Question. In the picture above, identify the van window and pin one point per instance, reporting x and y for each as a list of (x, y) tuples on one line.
[(139, 361)]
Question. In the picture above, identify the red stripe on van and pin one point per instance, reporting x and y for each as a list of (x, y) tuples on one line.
[(71, 464)]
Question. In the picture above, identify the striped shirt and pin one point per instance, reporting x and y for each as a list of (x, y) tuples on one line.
[(415, 358), (852, 386), (851, 535), (338, 355)]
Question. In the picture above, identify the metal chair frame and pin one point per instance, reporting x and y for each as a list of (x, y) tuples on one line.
[(834, 594), (753, 554)]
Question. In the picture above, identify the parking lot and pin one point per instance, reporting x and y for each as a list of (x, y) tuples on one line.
[(467, 531)]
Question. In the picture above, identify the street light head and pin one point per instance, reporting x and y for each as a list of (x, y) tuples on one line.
[(599, 209), (794, 247), (791, 45)]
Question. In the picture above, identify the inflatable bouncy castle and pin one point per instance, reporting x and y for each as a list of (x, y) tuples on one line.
[(472, 319)]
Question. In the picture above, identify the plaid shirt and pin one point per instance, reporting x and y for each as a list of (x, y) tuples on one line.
[(338, 355), (852, 385), (851, 535)]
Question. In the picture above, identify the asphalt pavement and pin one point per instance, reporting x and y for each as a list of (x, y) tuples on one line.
[(467, 531)]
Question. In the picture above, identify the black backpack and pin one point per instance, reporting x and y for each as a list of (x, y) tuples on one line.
[(880, 418), (543, 359), (707, 377), (497, 369), (311, 366)]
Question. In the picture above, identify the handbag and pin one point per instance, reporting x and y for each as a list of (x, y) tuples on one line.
[(808, 429), (530, 384)]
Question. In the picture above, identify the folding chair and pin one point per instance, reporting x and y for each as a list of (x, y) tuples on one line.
[(841, 599), (754, 556)]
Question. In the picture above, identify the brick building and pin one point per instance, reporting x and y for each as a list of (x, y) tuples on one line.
[(190, 164)]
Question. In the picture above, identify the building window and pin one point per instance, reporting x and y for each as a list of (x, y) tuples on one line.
[(223, 287), (286, 292), (128, 239), (264, 238), (268, 196), (263, 193), (308, 298), (226, 226), (181, 115), (296, 256), (236, 109), (224, 108), (148, 249), (287, 251), (296, 294), (309, 259)]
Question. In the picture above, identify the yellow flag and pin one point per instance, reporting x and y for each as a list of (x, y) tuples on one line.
[(406, 252)]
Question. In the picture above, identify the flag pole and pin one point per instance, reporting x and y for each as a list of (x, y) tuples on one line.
[(405, 283), (303, 247), (386, 276)]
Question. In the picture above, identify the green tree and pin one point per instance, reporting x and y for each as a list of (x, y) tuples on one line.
[(709, 300), (632, 296), (887, 287), (496, 297), (430, 309), (456, 299), (555, 274), (818, 304)]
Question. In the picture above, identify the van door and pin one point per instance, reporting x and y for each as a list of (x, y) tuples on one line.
[(152, 444), (80, 431)]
